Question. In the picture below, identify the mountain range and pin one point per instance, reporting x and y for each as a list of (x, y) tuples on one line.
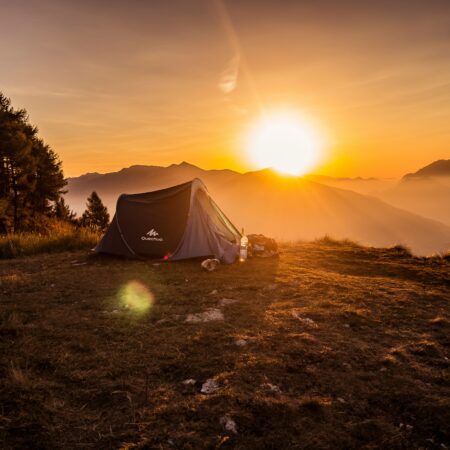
[(302, 208)]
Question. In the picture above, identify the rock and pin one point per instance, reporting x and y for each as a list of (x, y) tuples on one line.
[(229, 424), (189, 382), (210, 386), (210, 315), (271, 387), (241, 342), (227, 301), (214, 292), (305, 320), (210, 264), (341, 400)]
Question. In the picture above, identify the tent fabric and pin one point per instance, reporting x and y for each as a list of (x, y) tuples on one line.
[(176, 223)]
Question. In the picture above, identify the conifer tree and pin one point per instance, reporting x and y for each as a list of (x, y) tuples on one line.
[(31, 178), (63, 212), (96, 215)]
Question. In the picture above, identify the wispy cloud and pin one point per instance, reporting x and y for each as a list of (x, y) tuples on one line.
[(229, 77)]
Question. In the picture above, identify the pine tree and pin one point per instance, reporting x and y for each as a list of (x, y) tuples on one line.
[(63, 212), (31, 178), (96, 215)]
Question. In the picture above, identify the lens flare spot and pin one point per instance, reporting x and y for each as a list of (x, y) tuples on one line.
[(136, 297)]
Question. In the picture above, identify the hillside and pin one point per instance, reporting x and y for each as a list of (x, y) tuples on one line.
[(425, 192), (286, 208), (440, 168), (330, 346)]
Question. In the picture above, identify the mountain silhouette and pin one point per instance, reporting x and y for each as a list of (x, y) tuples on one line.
[(440, 168), (287, 208), (426, 192)]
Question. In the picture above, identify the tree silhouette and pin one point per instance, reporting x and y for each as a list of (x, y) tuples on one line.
[(63, 212), (31, 178), (96, 215)]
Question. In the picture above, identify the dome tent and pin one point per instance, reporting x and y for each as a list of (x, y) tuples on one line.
[(179, 222)]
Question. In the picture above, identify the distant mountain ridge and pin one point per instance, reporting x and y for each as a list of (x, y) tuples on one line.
[(425, 192), (287, 208), (440, 168)]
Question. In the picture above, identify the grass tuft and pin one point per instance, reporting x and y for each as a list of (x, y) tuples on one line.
[(402, 250), (61, 237)]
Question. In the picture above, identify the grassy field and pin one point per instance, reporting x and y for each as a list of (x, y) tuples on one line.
[(60, 237), (329, 346)]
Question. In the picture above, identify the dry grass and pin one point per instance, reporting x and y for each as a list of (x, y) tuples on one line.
[(345, 347), (61, 237)]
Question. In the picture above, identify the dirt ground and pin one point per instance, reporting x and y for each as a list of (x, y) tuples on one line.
[(329, 346)]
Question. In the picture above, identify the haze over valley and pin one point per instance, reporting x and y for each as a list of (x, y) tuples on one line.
[(370, 211)]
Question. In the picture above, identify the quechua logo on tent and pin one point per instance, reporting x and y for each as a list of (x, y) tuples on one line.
[(152, 235)]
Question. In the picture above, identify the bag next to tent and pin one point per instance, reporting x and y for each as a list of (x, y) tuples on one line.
[(262, 246)]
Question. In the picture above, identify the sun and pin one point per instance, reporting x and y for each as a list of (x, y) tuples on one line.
[(285, 142)]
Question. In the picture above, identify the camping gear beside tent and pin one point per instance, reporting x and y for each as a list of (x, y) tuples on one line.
[(179, 222), (262, 246)]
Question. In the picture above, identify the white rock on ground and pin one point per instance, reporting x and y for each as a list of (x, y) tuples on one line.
[(305, 320), (271, 387), (241, 342), (227, 301), (210, 315), (229, 424), (189, 382), (210, 386)]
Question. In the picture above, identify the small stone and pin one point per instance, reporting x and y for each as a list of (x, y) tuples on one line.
[(210, 386), (210, 264), (227, 301), (409, 427), (271, 387), (210, 315), (341, 400), (229, 424), (305, 320), (189, 382), (241, 342)]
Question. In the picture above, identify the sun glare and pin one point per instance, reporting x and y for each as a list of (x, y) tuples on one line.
[(136, 297), (285, 142)]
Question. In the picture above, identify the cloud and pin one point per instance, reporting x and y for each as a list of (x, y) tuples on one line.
[(228, 78)]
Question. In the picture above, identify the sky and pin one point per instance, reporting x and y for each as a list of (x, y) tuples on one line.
[(116, 83)]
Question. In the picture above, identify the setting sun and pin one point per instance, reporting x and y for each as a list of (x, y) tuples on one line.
[(285, 142)]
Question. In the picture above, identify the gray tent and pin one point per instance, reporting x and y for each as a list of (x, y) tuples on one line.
[(175, 223)]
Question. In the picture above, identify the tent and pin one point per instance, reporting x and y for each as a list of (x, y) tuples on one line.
[(179, 222)]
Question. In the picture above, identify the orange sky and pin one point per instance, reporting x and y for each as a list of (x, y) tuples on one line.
[(112, 83)]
